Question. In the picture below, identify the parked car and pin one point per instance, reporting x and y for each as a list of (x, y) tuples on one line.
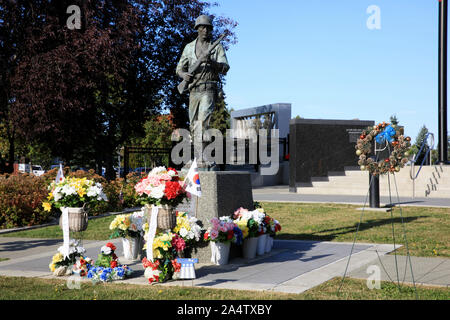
[(37, 170), (24, 168), (142, 170)]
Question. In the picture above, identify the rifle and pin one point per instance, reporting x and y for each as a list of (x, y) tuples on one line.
[(184, 84)]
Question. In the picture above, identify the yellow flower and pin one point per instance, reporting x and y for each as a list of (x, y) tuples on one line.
[(81, 192), (47, 206), (242, 224), (52, 267), (57, 258)]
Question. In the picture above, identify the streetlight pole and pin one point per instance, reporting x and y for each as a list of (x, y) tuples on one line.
[(442, 145)]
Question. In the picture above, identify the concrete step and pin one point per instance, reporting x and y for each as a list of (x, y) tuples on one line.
[(356, 182)]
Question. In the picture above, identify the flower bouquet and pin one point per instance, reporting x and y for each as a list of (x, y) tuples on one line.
[(188, 229), (272, 226), (224, 230), (162, 188), (102, 274), (75, 194), (61, 265), (166, 246), (107, 267), (222, 233), (129, 227), (82, 266), (252, 226), (250, 222)]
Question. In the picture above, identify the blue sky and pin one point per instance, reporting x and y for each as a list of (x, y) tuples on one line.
[(321, 57)]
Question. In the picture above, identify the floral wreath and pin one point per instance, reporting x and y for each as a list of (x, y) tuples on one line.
[(381, 133)]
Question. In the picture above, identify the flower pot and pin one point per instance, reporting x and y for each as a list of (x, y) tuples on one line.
[(166, 216), (261, 246), (150, 273), (131, 248), (78, 219), (249, 247), (269, 244), (220, 252)]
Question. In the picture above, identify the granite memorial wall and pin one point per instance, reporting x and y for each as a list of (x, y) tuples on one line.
[(318, 146)]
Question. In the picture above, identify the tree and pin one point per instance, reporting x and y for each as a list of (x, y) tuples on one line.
[(394, 120), (220, 118), (415, 148), (84, 92)]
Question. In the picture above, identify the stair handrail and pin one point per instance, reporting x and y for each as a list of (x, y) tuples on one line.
[(414, 159)]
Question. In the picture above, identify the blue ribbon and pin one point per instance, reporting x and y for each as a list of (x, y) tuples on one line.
[(387, 134)]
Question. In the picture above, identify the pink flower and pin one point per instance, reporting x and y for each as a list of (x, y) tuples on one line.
[(178, 243), (214, 234), (238, 213), (215, 222), (153, 181), (165, 177)]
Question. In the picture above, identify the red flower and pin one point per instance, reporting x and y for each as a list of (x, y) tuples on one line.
[(113, 264), (155, 265), (230, 234), (113, 247), (114, 256), (172, 189), (206, 236), (153, 279), (168, 169), (178, 243), (176, 265)]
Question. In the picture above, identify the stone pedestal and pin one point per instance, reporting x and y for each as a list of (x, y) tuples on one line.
[(223, 192)]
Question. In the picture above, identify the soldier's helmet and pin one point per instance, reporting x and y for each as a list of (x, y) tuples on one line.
[(203, 20)]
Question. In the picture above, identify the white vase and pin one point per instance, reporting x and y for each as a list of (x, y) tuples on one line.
[(78, 219), (261, 247), (269, 244), (131, 248), (220, 252), (149, 273), (249, 247)]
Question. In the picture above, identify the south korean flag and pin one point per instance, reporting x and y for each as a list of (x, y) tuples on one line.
[(192, 181)]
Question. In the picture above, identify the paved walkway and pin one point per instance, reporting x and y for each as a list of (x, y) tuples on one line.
[(292, 266), (282, 194)]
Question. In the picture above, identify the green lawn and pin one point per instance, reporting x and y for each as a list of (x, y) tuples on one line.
[(20, 288), (427, 229)]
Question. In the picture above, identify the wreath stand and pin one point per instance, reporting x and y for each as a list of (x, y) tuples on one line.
[(391, 205)]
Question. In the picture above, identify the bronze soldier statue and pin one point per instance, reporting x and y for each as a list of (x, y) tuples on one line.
[(200, 66)]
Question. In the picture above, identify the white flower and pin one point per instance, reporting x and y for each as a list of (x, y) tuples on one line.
[(106, 250), (68, 190), (157, 170), (171, 173), (183, 232), (157, 192), (93, 191), (190, 235), (57, 195)]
